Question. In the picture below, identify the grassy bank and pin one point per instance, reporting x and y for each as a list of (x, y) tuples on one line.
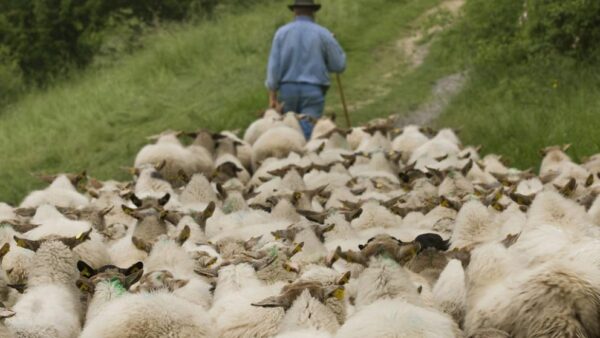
[(519, 100), (205, 76)]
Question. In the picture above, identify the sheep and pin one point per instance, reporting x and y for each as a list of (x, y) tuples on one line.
[(450, 291), (306, 305), (407, 142), (50, 307), (277, 142), (269, 120), (105, 284), (60, 193), (398, 318), (428, 237), (237, 288), (5, 313), (149, 315)]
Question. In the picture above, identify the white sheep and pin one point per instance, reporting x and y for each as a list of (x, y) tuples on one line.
[(277, 142)]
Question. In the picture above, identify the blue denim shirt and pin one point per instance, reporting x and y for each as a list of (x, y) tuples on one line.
[(304, 52)]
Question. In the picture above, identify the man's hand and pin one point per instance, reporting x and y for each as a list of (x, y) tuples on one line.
[(274, 103)]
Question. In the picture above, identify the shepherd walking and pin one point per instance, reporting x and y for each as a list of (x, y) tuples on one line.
[(302, 56)]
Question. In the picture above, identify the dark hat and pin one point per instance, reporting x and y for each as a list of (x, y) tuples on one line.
[(305, 4)]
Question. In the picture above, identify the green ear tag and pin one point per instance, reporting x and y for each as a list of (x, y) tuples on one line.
[(116, 285)]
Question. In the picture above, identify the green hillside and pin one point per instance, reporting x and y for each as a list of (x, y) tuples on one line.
[(211, 75)]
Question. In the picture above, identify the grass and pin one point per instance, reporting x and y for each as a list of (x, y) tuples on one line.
[(522, 109), (211, 75), (208, 75)]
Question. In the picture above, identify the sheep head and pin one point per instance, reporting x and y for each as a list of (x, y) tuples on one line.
[(20, 226), (159, 280), (70, 242), (207, 213), (257, 264), (90, 277), (317, 290), (381, 245)]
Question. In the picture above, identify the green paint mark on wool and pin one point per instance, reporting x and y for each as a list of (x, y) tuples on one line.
[(274, 252), (117, 286)]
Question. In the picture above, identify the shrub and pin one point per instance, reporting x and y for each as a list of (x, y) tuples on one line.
[(569, 27)]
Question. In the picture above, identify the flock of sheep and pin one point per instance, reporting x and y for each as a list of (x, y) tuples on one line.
[(369, 232)]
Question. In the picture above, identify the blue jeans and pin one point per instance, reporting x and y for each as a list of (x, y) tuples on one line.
[(302, 98)]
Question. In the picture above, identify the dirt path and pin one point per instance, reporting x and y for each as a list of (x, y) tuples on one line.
[(446, 88), (414, 49), (443, 92)]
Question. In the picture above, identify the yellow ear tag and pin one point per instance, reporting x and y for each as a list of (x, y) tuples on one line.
[(211, 261), (4, 250), (298, 248), (339, 293), (79, 237), (86, 273), (345, 280), (21, 243), (445, 204)]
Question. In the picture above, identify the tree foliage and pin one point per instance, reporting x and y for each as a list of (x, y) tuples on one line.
[(510, 31), (44, 38)]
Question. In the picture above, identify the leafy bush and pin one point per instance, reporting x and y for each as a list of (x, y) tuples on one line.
[(569, 27), (49, 37), (513, 31)]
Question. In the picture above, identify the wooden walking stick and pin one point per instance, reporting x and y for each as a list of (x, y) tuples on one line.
[(343, 97)]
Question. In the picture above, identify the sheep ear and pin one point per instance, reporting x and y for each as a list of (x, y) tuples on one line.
[(180, 283), (263, 263), (164, 200), (344, 279), (272, 302), (132, 171), (209, 211), (133, 278), (129, 212), (590, 181), (252, 242), (135, 200), (141, 245), (336, 291), (72, 242), (85, 270), (4, 250), (19, 287), (28, 244), (85, 285), (6, 313), (184, 235), (160, 166), (221, 191), (408, 252), (139, 266), (298, 248), (467, 168), (105, 211), (566, 147), (327, 228)]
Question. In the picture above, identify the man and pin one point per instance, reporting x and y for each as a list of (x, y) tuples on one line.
[(302, 56)]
